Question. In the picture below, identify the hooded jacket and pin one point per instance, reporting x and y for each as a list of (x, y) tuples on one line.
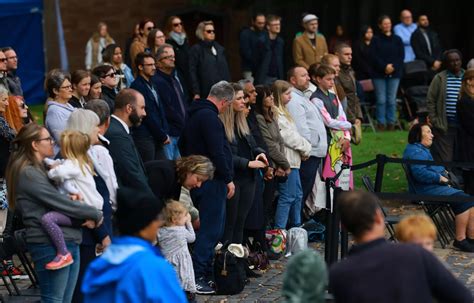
[(204, 135), (131, 270)]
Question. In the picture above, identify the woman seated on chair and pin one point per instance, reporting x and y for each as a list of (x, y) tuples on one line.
[(433, 180)]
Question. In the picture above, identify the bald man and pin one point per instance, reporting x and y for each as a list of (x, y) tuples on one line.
[(404, 30)]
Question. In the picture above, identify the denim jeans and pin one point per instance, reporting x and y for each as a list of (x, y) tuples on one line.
[(171, 150), (210, 200), (289, 201), (386, 95), (55, 285)]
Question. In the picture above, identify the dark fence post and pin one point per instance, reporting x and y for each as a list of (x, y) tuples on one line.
[(380, 170)]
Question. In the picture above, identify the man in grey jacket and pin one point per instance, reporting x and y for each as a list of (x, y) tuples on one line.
[(310, 125)]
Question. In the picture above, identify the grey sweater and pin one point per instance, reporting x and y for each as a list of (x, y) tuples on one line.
[(37, 196)]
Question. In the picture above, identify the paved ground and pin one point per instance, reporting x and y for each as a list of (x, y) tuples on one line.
[(268, 287)]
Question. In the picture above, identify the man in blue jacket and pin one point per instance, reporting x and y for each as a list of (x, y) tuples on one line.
[(132, 269), (152, 135), (204, 135)]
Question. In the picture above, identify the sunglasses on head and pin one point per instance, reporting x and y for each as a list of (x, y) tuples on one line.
[(210, 31), (177, 24)]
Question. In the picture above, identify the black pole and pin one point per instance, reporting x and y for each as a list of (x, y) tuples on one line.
[(381, 159), (328, 234)]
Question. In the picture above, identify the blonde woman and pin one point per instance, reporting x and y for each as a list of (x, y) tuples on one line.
[(247, 159), (296, 148), (96, 45)]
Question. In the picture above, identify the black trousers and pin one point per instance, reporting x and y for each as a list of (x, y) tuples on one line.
[(237, 209), (149, 149)]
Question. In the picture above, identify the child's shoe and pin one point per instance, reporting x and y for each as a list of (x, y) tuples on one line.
[(60, 261)]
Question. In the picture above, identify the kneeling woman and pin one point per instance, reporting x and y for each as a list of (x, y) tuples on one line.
[(431, 179)]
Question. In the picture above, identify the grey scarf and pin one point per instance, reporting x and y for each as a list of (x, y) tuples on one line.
[(179, 38)]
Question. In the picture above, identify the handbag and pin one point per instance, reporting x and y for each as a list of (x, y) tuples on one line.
[(453, 180), (258, 258), (276, 239), (229, 272), (367, 85)]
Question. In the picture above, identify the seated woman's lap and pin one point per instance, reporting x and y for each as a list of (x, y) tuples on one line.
[(55, 285), (458, 208)]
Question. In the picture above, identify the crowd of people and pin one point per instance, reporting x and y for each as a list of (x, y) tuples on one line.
[(145, 153)]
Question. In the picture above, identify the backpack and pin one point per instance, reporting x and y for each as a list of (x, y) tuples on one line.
[(297, 241), (229, 272)]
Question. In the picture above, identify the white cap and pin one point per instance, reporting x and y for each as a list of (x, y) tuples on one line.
[(309, 17)]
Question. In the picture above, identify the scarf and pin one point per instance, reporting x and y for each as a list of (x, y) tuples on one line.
[(178, 38)]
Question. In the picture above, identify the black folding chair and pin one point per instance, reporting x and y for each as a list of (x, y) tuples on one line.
[(390, 220)]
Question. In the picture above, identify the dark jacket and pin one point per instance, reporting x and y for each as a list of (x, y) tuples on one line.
[(204, 135), (389, 272), (250, 47), (362, 62), (128, 165), (270, 56), (174, 106), (420, 47), (257, 133), (181, 53), (7, 134), (154, 124), (14, 84), (163, 179), (75, 102), (385, 50), (108, 95), (465, 112), (244, 149), (205, 68), (348, 82)]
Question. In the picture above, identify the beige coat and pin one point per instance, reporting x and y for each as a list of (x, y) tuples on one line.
[(305, 54)]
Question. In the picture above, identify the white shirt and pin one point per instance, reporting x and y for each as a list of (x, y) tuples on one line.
[(104, 166), (127, 129)]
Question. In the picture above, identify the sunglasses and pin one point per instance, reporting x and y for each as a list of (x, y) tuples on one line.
[(22, 105), (210, 31), (3, 60), (150, 28), (177, 24), (111, 75)]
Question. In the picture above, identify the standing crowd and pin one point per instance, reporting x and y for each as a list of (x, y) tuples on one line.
[(151, 156)]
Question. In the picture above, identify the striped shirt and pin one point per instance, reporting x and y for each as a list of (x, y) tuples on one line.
[(453, 86)]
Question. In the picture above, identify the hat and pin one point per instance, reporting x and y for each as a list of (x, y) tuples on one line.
[(135, 210), (305, 278), (237, 250), (309, 17)]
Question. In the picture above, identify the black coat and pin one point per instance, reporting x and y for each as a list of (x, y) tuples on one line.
[(204, 135), (128, 165), (386, 50), (244, 149), (163, 179), (420, 47), (205, 68), (362, 62), (75, 102), (108, 95), (264, 55), (465, 112)]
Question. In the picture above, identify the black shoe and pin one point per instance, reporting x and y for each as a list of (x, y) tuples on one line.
[(463, 245), (251, 274), (471, 241), (203, 288)]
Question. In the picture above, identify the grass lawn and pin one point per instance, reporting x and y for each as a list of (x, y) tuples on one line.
[(389, 143)]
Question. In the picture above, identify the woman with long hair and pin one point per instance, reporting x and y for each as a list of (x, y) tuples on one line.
[(32, 194), (361, 61), (139, 44), (96, 88), (16, 112), (296, 148), (113, 56), (155, 39), (177, 37), (247, 159), (81, 84), (96, 45)]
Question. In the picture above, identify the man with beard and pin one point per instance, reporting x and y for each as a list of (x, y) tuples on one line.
[(310, 46), (129, 112), (249, 40), (14, 83), (151, 137), (425, 44)]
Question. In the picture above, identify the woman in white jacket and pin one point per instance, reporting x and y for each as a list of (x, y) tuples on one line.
[(296, 149)]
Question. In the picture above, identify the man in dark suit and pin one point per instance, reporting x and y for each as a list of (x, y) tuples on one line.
[(425, 44), (152, 135), (129, 111), (385, 271)]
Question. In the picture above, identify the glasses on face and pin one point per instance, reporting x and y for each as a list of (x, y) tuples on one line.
[(66, 87), (177, 24), (149, 28), (22, 105), (210, 31), (111, 75), (170, 57), (50, 139), (3, 60)]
